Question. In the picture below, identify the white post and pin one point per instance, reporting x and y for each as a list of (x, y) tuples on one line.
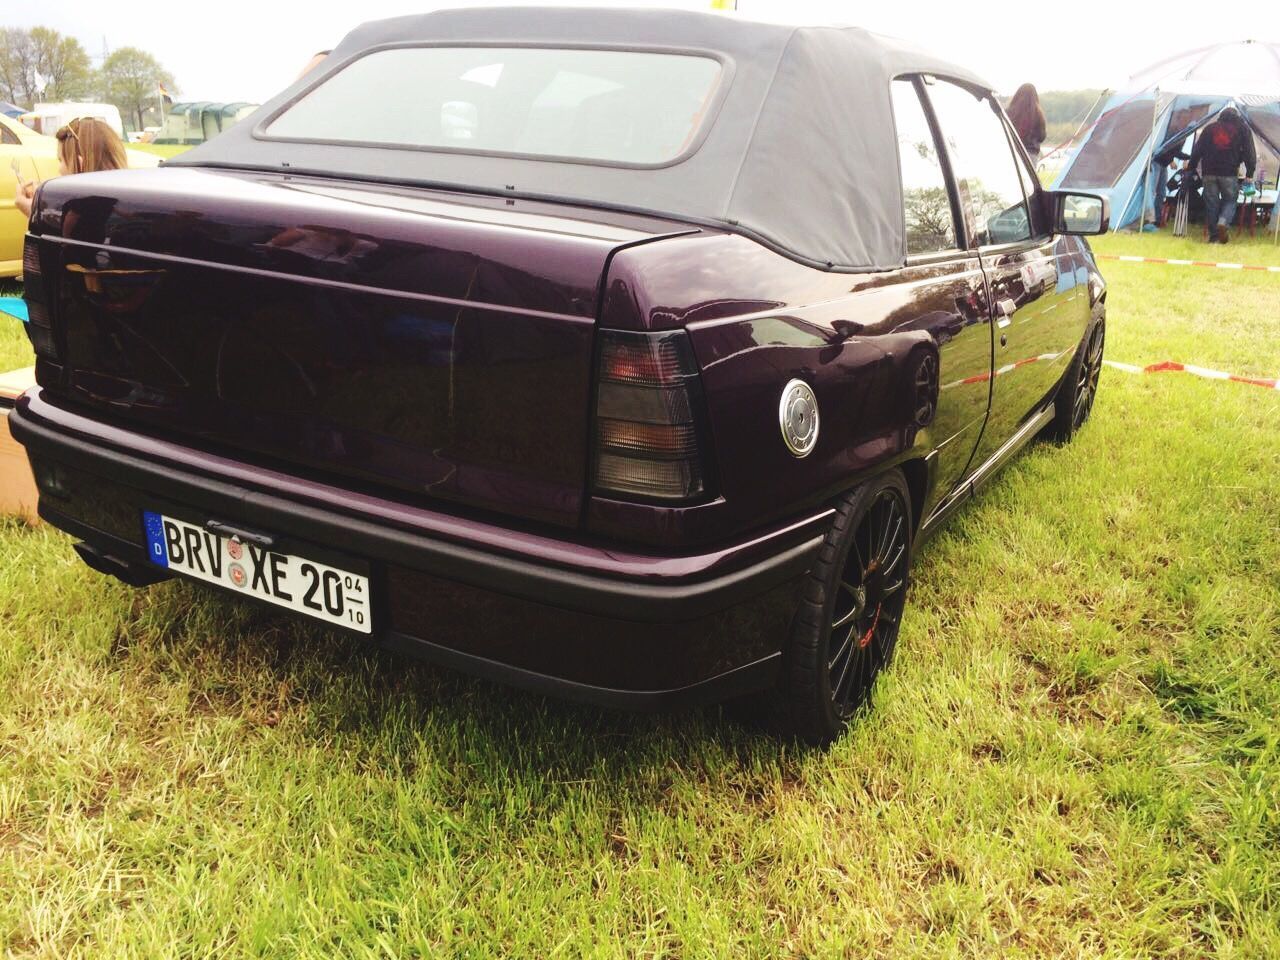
[(1151, 156)]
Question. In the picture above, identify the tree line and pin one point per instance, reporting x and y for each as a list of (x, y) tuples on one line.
[(1064, 111), (42, 65)]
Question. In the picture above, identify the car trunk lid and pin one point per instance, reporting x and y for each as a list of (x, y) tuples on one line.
[(435, 343)]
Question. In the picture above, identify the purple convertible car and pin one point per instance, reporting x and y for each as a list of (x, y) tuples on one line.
[(625, 355)]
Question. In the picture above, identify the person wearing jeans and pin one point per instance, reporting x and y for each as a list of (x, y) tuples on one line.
[(1219, 206), (1219, 151)]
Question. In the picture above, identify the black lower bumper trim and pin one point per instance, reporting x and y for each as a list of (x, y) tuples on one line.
[(110, 555), (634, 600), (749, 678), (126, 571)]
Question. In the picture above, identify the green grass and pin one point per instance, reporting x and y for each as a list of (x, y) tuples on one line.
[(1076, 753), (15, 348)]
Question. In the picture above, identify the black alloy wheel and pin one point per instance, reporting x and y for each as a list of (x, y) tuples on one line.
[(1079, 387), (847, 623), (869, 601), (1087, 378)]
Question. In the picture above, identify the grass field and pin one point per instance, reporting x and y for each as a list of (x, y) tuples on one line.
[(161, 149), (15, 348), (1076, 753)]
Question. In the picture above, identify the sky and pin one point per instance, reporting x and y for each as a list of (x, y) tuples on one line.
[(243, 50)]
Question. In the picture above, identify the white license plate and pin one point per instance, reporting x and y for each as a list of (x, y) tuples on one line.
[(297, 583)]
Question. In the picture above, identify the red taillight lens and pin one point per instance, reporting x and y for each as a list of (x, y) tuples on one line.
[(647, 413), (646, 360)]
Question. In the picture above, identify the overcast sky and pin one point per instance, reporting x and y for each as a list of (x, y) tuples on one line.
[(250, 49)]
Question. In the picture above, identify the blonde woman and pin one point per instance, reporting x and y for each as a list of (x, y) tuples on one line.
[(85, 145)]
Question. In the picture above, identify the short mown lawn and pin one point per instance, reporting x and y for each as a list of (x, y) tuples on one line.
[(1075, 754), (165, 150)]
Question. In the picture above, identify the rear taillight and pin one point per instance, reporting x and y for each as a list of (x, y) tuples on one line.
[(647, 418), (39, 326)]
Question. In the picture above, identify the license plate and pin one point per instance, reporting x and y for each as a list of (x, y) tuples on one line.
[(306, 586)]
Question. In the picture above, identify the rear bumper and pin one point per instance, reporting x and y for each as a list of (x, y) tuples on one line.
[(586, 621)]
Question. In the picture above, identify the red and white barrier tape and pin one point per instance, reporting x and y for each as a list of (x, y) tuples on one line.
[(1168, 366), (1187, 263), (1007, 368)]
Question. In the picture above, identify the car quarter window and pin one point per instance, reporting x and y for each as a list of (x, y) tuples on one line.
[(8, 137), (983, 163), (926, 201)]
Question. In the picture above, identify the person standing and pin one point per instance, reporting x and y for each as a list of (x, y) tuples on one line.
[(85, 145), (1219, 151), (1028, 119)]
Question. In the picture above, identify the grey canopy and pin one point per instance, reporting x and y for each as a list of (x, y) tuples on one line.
[(799, 153)]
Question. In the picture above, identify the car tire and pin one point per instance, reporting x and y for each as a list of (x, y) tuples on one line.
[(851, 601), (1074, 400)]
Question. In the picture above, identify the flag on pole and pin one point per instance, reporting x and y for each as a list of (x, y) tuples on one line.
[(163, 94)]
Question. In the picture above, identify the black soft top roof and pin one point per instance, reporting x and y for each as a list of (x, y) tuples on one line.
[(801, 154)]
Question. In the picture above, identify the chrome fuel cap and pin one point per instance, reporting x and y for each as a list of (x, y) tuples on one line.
[(798, 418)]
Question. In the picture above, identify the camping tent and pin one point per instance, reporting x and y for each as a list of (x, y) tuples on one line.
[(1161, 108), (10, 109), (199, 121)]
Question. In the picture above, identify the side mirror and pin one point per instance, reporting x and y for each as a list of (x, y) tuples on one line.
[(1085, 214)]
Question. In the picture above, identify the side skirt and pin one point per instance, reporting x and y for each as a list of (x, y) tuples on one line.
[(985, 471)]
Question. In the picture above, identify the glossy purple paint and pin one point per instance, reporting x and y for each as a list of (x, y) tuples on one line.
[(579, 555), (757, 320), (421, 363), (441, 346)]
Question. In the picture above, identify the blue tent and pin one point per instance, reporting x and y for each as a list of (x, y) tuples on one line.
[(1160, 111), (10, 109)]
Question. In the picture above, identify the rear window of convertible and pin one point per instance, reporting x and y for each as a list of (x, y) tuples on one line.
[(606, 106)]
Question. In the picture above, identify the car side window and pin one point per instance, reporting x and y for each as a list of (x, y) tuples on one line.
[(926, 200), (1030, 183), (983, 163), (8, 138)]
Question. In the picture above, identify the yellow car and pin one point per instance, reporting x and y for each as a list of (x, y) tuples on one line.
[(35, 157)]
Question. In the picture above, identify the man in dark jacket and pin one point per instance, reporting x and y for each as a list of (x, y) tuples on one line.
[(1220, 149)]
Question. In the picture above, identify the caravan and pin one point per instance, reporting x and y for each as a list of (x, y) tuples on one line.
[(198, 121), (46, 118)]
